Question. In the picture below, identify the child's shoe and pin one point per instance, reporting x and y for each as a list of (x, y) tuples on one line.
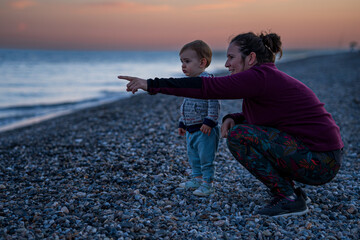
[(204, 190), (191, 184)]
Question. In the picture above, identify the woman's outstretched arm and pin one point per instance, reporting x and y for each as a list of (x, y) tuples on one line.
[(246, 84)]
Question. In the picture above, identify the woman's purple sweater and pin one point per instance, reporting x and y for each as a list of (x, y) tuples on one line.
[(270, 98)]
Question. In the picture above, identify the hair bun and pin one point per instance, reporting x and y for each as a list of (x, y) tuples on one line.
[(266, 46), (272, 42)]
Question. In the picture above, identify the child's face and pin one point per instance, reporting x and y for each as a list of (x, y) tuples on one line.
[(192, 66)]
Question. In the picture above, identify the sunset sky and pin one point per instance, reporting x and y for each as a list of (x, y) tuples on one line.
[(168, 24)]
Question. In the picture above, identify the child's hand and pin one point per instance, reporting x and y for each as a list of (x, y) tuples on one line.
[(134, 83), (205, 129), (181, 131)]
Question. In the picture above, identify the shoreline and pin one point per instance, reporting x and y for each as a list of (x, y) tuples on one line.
[(28, 122), (39, 119), (112, 171)]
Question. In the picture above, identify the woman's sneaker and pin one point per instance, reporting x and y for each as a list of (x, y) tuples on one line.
[(281, 206), (204, 190), (299, 191), (191, 184)]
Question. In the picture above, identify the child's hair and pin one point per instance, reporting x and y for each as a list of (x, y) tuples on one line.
[(201, 48)]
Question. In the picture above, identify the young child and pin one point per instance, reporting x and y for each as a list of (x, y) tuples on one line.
[(198, 122)]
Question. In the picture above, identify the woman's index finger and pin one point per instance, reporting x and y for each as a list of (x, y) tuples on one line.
[(126, 78)]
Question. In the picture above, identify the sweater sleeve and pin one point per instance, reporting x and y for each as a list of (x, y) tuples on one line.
[(237, 117), (184, 87), (181, 122), (245, 84), (213, 113)]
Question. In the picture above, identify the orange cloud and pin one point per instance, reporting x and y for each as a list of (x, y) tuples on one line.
[(229, 4), (22, 4), (125, 6), (22, 27)]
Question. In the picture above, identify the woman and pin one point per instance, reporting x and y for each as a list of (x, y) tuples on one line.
[(283, 134)]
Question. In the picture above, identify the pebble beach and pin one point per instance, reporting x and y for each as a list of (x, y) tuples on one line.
[(113, 171)]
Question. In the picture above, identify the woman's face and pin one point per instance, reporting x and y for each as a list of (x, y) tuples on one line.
[(234, 61)]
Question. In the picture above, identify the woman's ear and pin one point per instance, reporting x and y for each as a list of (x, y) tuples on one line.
[(252, 59)]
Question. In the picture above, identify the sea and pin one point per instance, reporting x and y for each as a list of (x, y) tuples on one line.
[(36, 85)]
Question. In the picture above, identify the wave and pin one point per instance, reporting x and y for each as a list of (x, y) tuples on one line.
[(46, 105), (29, 113), (105, 95)]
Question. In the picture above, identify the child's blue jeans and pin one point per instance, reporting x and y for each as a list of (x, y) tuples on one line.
[(201, 150)]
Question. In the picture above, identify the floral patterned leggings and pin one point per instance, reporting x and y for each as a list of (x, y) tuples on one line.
[(277, 159)]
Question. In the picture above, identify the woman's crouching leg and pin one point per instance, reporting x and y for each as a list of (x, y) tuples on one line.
[(250, 148), (276, 158)]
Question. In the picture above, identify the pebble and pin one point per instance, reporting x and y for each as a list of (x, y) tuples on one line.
[(352, 209), (113, 171), (266, 233), (219, 223), (65, 210)]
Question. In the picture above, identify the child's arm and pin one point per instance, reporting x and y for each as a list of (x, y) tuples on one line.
[(210, 120), (182, 127), (213, 110)]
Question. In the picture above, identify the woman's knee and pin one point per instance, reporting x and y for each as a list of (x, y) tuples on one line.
[(237, 145), (241, 135)]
